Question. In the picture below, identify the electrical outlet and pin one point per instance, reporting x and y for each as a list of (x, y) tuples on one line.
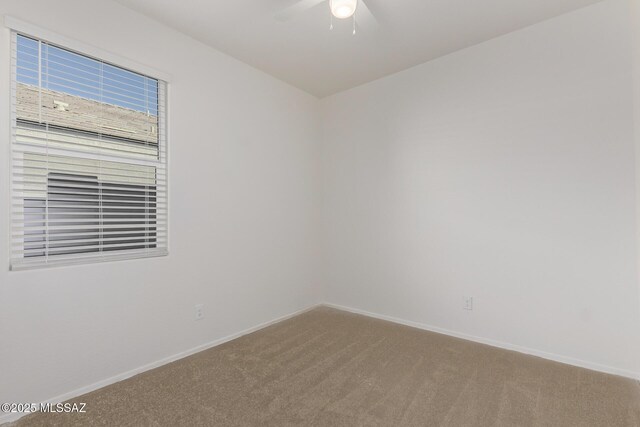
[(468, 303), (199, 311)]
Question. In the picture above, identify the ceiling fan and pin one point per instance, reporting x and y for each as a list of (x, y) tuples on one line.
[(340, 9)]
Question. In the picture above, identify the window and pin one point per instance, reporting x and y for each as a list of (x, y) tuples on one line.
[(89, 164)]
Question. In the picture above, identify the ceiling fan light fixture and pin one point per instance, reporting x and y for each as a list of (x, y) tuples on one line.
[(343, 9)]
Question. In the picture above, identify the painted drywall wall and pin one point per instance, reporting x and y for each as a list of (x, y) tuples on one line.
[(242, 168), (635, 48), (504, 172)]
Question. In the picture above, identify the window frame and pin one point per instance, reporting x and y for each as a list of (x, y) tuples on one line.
[(18, 27)]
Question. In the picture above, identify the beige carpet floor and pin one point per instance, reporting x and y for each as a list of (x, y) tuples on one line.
[(331, 368)]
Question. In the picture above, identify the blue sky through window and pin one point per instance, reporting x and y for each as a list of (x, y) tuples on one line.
[(79, 75)]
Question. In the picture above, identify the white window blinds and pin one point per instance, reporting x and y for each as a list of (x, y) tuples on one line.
[(89, 159)]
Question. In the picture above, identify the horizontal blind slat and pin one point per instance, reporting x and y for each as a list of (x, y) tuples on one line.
[(29, 263)]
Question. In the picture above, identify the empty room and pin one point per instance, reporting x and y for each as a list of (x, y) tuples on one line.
[(320, 213)]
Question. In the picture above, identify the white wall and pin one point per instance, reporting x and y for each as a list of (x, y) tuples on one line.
[(243, 217), (635, 24), (504, 172)]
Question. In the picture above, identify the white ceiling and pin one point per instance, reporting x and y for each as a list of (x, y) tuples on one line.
[(306, 54)]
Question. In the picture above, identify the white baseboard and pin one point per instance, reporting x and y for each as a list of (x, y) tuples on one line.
[(545, 355), (9, 417)]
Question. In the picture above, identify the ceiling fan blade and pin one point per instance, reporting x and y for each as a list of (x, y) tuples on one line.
[(364, 17), (288, 13)]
